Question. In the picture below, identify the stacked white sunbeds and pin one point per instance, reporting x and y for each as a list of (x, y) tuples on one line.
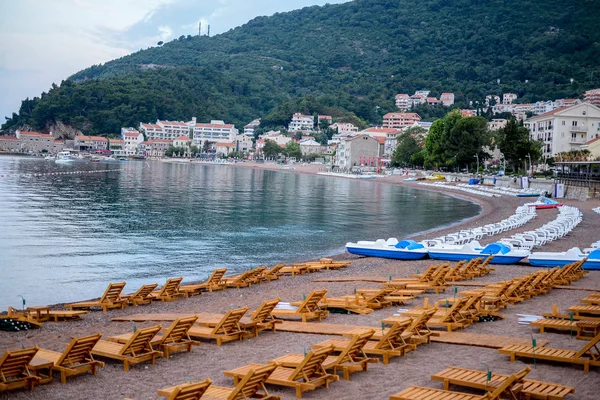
[(596, 210), (522, 215), (461, 188), (502, 190), (568, 218)]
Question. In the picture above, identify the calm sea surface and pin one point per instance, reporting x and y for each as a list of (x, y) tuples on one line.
[(64, 237)]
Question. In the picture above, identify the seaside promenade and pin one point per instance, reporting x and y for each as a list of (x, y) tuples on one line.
[(209, 360)]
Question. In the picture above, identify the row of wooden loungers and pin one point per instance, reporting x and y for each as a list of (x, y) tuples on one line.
[(29, 367), (495, 386)]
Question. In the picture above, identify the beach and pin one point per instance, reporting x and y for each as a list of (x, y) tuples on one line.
[(209, 360)]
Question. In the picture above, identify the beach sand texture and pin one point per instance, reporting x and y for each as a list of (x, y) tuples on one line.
[(209, 361)]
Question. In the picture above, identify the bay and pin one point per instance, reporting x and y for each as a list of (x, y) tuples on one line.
[(69, 230)]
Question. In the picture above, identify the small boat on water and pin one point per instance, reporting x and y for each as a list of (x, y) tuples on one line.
[(66, 157), (391, 248), (558, 259), (528, 195), (503, 254)]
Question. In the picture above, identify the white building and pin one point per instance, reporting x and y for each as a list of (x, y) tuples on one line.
[(424, 93), (249, 129), (342, 127), (496, 124), (400, 120), (243, 143), (542, 107), (508, 98), (387, 136), (182, 141), (301, 122), (417, 99), (492, 100), (132, 140), (447, 99), (215, 131), (403, 101), (224, 148), (278, 138), (593, 97), (565, 129)]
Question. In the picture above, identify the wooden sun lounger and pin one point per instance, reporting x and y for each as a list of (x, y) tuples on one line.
[(238, 281), (478, 380), (187, 391), (110, 299), (138, 348), (262, 319), (293, 270), (14, 369), (273, 273), (308, 375), (449, 319), (553, 323), (174, 339), (250, 386), (170, 290), (214, 282), (307, 310), (56, 315), (142, 295), (75, 360), (588, 355), (584, 309), (393, 342), (592, 300), (351, 358), (419, 331), (422, 393), (226, 330)]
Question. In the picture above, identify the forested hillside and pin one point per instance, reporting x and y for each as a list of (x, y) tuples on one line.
[(349, 59)]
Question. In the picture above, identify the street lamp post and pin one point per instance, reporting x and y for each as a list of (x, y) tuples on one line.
[(477, 172), (530, 164)]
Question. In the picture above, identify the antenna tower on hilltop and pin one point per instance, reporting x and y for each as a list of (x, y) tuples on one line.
[(208, 30), (200, 28)]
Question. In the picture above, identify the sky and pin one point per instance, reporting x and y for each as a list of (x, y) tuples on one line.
[(45, 41)]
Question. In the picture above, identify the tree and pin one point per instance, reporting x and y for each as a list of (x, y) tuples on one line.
[(514, 142), (406, 148), (205, 147), (271, 149), (292, 149)]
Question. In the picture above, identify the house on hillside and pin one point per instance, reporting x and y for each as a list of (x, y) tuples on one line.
[(400, 120), (311, 146), (403, 102), (301, 122), (131, 141)]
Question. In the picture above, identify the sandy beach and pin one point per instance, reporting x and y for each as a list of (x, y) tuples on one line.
[(209, 360)]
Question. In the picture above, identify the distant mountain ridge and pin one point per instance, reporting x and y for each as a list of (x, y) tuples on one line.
[(345, 59)]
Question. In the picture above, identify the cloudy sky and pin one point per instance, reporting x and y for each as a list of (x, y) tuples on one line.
[(44, 41)]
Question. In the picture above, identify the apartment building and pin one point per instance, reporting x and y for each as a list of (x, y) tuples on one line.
[(301, 122), (592, 97), (117, 147), (215, 131), (389, 135), (249, 129), (400, 120), (403, 101), (243, 143), (447, 99), (508, 98), (341, 127), (131, 142), (355, 149), (10, 144), (565, 129), (90, 143)]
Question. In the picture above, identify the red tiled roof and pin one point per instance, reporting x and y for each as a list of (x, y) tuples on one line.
[(380, 139), (403, 95), (183, 137), (132, 134), (593, 140), (36, 134), (547, 114), (94, 138), (9, 138), (225, 144), (116, 141), (161, 141), (226, 126), (376, 129), (402, 115)]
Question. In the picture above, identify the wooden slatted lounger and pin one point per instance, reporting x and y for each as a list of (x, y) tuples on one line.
[(449, 319), (170, 290), (593, 300), (418, 329), (351, 358), (308, 375), (238, 281), (142, 295), (422, 393), (56, 315), (553, 323), (14, 371), (252, 385), (293, 270), (214, 282), (75, 360), (307, 309), (174, 339), (478, 380), (273, 273), (393, 342), (137, 350), (262, 319), (583, 309), (588, 355), (226, 330), (187, 391), (110, 299)]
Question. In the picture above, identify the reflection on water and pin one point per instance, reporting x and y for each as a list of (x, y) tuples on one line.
[(64, 237)]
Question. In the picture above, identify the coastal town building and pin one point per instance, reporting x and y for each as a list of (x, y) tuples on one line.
[(389, 136), (592, 97), (224, 148), (215, 131), (447, 99), (249, 129), (301, 122), (311, 146), (117, 147), (593, 146), (403, 101), (90, 143), (35, 142), (565, 129), (341, 127), (508, 98), (432, 101), (125, 131), (400, 120), (492, 100), (10, 144), (417, 99), (423, 93), (182, 141), (155, 148), (132, 140), (243, 143), (326, 118), (496, 124), (356, 149), (277, 137)]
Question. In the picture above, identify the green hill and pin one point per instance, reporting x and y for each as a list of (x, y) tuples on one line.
[(346, 59)]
